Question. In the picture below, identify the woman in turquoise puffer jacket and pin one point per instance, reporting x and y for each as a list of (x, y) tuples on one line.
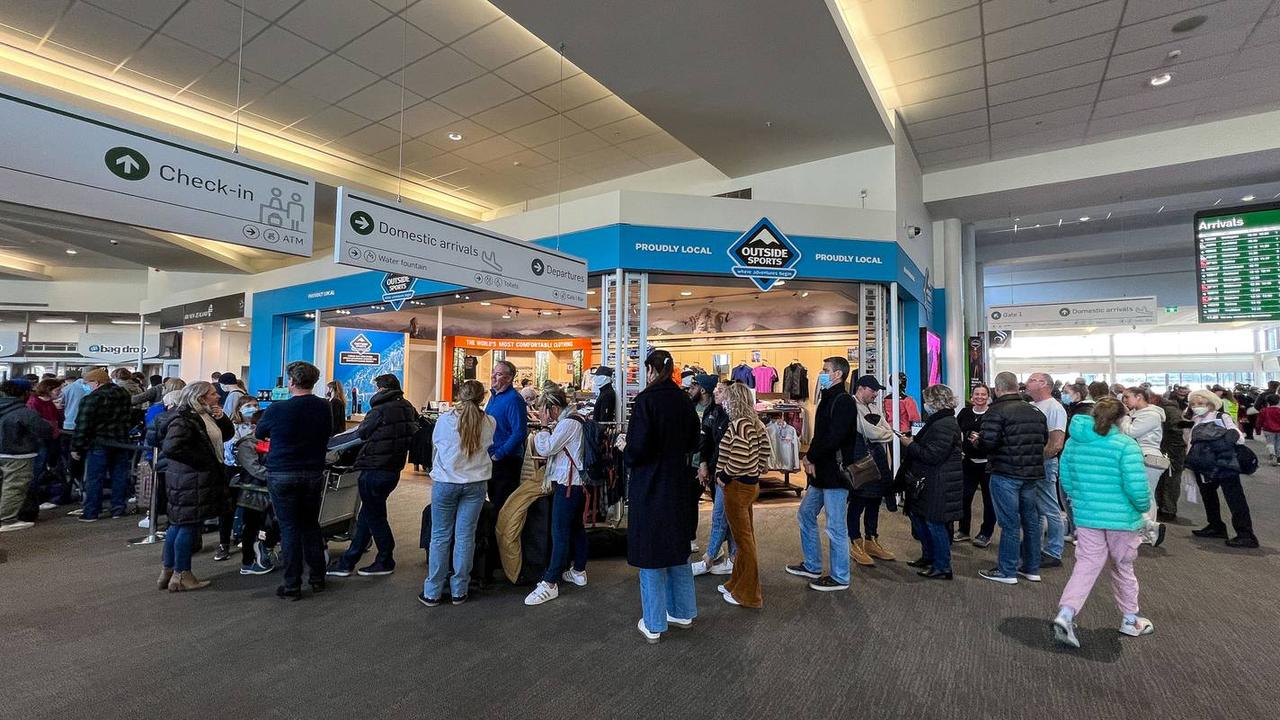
[(1103, 474)]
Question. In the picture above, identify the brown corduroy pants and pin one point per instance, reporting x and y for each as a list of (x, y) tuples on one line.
[(744, 584)]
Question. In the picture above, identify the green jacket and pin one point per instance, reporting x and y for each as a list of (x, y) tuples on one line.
[(1105, 478)]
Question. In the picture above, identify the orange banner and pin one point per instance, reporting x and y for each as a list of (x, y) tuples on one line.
[(479, 343)]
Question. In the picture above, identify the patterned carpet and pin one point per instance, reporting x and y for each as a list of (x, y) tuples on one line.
[(84, 632)]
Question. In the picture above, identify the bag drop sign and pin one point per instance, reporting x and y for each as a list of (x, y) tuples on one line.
[(117, 347), (65, 159)]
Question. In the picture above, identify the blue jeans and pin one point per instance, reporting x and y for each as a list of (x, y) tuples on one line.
[(455, 510), (1018, 513), (371, 524), (1051, 509), (295, 496), (836, 504), (720, 528), (566, 532), (100, 463), (935, 542), (178, 541), (667, 591)]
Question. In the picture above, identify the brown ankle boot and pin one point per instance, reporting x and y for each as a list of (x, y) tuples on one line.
[(184, 581), (878, 551), (858, 551), (166, 574)]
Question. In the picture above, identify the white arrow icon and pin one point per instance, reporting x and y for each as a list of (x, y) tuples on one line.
[(128, 164), (362, 223)]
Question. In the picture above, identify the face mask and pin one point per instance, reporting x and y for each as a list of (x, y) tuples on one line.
[(1067, 400), (249, 410), (824, 381), (1199, 410), (599, 381), (929, 409)]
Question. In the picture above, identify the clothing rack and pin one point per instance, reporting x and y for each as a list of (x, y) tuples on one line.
[(768, 484)]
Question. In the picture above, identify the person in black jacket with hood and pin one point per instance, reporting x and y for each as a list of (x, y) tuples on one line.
[(835, 439), (387, 431), (1013, 437), (195, 479), (932, 459)]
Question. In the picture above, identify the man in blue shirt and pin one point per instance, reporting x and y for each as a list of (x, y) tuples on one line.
[(72, 393), (511, 414)]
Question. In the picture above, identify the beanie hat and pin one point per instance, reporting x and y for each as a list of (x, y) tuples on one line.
[(97, 375)]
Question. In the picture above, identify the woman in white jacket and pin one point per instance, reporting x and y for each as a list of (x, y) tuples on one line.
[(1145, 424), (561, 445)]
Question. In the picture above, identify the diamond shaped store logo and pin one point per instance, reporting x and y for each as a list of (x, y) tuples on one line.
[(764, 255), (361, 344)]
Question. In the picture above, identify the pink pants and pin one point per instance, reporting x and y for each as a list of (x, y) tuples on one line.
[(1093, 547)]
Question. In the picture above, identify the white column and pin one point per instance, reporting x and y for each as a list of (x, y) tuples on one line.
[(320, 351), (440, 355), (1111, 358), (952, 245), (895, 349), (973, 305)]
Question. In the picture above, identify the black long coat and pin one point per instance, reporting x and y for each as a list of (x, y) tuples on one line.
[(662, 433), (935, 455), (195, 478)]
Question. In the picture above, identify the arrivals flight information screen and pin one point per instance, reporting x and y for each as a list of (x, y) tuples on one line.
[(1238, 263)]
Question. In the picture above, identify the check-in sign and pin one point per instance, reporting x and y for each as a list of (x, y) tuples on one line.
[(380, 235), (64, 159)]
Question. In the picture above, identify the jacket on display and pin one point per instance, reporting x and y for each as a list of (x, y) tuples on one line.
[(908, 412), (22, 430), (663, 432), (1013, 436), (795, 382), (765, 378), (1146, 427), (606, 407), (784, 446), (1105, 478), (195, 477), (745, 375), (835, 431), (387, 431), (715, 420), (934, 456)]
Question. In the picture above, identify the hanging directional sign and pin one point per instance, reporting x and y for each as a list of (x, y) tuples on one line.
[(65, 159), (382, 235)]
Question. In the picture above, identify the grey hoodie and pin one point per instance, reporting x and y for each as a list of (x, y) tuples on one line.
[(21, 429)]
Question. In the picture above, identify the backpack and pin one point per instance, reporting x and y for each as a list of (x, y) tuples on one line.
[(1247, 459), (597, 453)]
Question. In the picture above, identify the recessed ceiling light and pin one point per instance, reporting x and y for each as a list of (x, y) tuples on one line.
[(1084, 218), (780, 283), (54, 321), (126, 322), (72, 252), (516, 163), (1248, 198), (455, 136), (686, 293), (1161, 79), (591, 292), (506, 316), (592, 309), (804, 294), (485, 303), (547, 312)]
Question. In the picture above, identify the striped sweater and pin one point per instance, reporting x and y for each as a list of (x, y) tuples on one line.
[(744, 450)]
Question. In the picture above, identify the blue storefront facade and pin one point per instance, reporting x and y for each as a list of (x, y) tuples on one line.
[(282, 333)]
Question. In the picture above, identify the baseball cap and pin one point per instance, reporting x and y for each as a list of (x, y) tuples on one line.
[(604, 370), (708, 382), (869, 381), (227, 378)]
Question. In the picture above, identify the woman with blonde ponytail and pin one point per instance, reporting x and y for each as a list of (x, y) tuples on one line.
[(459, 474)]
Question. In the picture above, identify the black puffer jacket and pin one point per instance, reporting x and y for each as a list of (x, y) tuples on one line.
[(195, 477), (1013, 436), (715, 421), (934, 454), (1213, 451), (387, 431)]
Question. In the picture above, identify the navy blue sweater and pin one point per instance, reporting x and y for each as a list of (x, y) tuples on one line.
[(299, 429)]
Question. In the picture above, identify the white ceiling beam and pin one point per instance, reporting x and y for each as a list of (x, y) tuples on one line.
[(223, 253), (17, 267)]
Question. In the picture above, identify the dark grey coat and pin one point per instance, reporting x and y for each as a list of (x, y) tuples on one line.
[(195, 478)]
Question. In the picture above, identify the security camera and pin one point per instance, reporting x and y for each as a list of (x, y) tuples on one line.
[(913, 231)]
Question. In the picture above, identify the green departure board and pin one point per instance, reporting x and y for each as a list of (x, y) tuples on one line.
[(1238, 263)]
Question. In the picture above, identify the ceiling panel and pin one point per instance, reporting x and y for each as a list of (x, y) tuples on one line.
[(537, 70), (212, 26), (1045, 83), (150, 13), (219, 85), (382, 48), (932, 34), (286, 105), (35, 18), (471, 133), (516, 113), (601, 112), (332, 122), (99, 33), (1221, 16), (1088, 20), (1083, 96), (1074, 52), (949, 124), (941, 85), (884, 16), (631, 128), (942, 107), (1040, 123), (545, 131), (490, 149), (172, 61), (1144, 120), (333, 24), (1207, 69), (279, 54), (572, 92), (1190, 49), (439, 71), (370, 139), (999, 15), (477, 95), (425, 117), (381, 100), (952, 57), (942, 142), (448, 20), (498, 43), (333, 78)]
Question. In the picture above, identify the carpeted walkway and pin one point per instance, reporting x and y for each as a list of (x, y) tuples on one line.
[(84, 633)]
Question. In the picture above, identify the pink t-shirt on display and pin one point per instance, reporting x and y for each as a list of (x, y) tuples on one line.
[(766, 376)]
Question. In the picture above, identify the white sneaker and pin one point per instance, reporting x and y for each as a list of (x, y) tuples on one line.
[(575, 577), (1064, 631), (682, 623), (47, 506), (16, 525), (652, 637), (728, 596), (1140, 626), (724, 568), (145, 523), (693, 546), (542, 593), (700, 568), (76, 513)]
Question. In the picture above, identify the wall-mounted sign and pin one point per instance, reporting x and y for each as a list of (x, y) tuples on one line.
[(117, 348), (999, 339), (358, 352), (66, 159), (1238, 263), (10, 343), (765, 255), (397, 288), (1087, 313), (479, 343), (383, 236), (360, 356), (227, 307)]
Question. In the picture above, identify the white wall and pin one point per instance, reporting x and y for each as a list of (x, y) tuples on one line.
[(909, 194), (79, 290), (213, 349)]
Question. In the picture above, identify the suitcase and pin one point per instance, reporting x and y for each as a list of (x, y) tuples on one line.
[(484, 538), (535, 542)]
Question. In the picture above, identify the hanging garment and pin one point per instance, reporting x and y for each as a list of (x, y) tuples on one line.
[(795, 382), (766, 377), (744, 375), (784, 446)]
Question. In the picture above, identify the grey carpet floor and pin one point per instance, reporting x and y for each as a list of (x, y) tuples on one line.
[(84, 633)]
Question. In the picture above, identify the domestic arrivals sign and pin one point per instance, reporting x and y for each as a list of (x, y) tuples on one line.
[(117, 347), (381, 235), (65, 159), (1086, 313)]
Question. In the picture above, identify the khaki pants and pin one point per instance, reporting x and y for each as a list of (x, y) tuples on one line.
[(744, 584), (15, 479)]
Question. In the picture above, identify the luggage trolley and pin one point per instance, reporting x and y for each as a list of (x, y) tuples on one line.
[(340, 499)]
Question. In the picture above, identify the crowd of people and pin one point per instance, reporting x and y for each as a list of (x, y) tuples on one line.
[(1095, 465)]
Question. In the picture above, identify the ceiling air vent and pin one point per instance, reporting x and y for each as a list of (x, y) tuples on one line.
[(744, 194)]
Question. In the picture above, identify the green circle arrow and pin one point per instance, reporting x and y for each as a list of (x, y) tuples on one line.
[(361, 222), (127, 163)]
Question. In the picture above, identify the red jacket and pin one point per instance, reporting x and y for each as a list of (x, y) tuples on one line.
[(47, 410), (1269, 419)]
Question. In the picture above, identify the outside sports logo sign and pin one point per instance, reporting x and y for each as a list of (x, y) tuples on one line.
[(764, 255)]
